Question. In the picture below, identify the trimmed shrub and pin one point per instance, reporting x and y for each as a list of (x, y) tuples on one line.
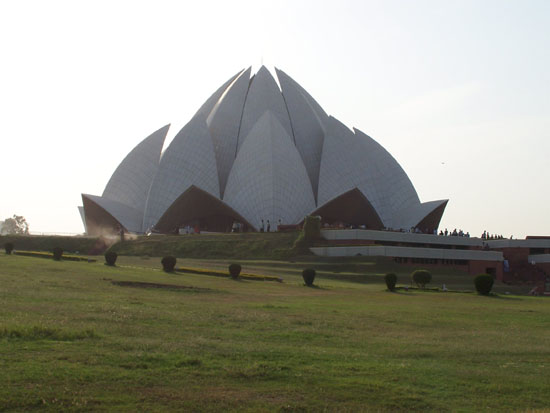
[(8, 246), (483, 283), (300, 244), (391, 280), (311, 232), (57, 253), (309, 276), (421, 277), (312, 228), (168, 263), (234, 270), (110, 258)]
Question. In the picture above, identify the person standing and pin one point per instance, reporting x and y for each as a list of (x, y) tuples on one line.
[(268, 226)]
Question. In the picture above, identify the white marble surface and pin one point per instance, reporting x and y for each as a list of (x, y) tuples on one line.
[(189, 160), (130, 183), (130, 218), (268, 180), (224, 123), (297, 160)]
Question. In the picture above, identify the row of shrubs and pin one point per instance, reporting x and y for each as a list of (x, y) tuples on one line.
[(483, 282), (168, 262), (57, 251), (56, 254)]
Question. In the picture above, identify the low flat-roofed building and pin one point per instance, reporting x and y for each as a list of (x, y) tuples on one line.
[(507, 260)]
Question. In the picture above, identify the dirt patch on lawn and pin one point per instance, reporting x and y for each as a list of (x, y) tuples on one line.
[(139, 284)]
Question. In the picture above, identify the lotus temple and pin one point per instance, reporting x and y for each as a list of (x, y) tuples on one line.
[(258, 150)]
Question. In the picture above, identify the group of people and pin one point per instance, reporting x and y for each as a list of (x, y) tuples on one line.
[(265, 226), (341, 225), (486, 235), (454, 233)]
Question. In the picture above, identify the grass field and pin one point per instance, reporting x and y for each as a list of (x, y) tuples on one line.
[(251, 245), (71, 339)]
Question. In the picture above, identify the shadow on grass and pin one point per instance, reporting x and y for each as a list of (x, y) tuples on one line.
[(404, 292), (499, 296), (239, 279), (315, 287), (171, 287), (45, 333)]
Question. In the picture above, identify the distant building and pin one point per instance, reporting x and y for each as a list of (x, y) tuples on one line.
[(510, 261), (257, 153)]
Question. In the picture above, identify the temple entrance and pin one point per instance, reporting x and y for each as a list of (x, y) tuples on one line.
[(200, 210), (350, 208)]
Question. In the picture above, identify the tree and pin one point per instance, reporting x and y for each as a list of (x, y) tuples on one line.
[(311, 232), (483, 283), (421, 278), (16, 225), (309, 276), (391, 280)]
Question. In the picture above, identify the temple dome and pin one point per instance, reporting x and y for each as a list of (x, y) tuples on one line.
[(255, 152)]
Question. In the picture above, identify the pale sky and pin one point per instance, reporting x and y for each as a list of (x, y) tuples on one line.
[(457, 91)]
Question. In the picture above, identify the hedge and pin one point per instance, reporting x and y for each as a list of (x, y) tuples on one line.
[(39, 254), (215, 273)]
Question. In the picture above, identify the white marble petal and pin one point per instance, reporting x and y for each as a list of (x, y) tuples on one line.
[(130, 218), (410, 217), (307, 125), (268, 180), (263, 95), (130, 182), (83, 218), (224, 124), (189, 160), (319, 111), (394, 190), (343, 166), (207, 106)]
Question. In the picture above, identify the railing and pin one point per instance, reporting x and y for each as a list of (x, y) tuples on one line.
[(59, 234)]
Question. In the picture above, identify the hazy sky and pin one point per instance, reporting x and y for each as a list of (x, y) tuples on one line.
[(457, 91)]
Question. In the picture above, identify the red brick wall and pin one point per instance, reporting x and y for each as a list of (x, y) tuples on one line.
[(486, 267)]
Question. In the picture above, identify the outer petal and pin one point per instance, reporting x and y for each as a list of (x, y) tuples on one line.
[(264, 95), (390, 182), (268, 180), (319, 111), (343, 166), (307, 125), (425, 215), (207, 106), (83, 218), (130, 182), (189, 160), (103, 214), (224, 122)]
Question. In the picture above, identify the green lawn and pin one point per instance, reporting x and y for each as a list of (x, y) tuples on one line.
[(70, 339), (255, 245)]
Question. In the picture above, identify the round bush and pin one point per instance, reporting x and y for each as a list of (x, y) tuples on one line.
[(57, 253), (312, 228), (391, 280), (168, 263), (309, 276), (483, 283), (8, 246), (110, 258), (421, 277), (234, 270)]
